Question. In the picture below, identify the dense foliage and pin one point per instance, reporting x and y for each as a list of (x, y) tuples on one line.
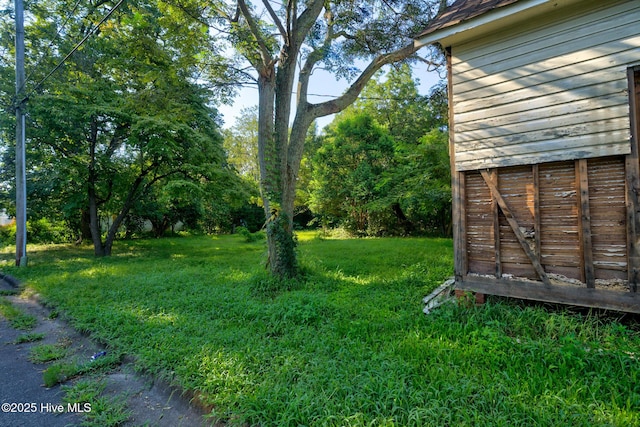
[(382, 167), (124, 131), (282, 44), (124, 137)]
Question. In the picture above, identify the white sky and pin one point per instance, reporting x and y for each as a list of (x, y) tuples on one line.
[(323, 84)]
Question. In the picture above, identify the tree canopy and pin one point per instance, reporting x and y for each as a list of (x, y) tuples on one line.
[(123, 125), (383, 165), (126, 112)]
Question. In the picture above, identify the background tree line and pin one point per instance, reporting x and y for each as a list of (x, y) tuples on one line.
[(126, 133), (381, 167), (126, 130)]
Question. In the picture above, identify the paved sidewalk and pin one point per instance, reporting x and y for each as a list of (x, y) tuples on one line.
[(21, 387), (27, 402)]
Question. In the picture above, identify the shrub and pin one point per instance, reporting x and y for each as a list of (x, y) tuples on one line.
[(250, 237), (7, 234), (46, 231)]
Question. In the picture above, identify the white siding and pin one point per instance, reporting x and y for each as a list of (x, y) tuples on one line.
[(550, 90)]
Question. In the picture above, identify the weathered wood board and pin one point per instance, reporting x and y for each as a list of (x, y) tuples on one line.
[(569, 217), (544, 129)]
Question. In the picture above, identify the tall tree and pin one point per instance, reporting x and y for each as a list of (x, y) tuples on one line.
[(347, 169), (415, 191), (394, 101), (411, 193), (285, 42), (124, 113)]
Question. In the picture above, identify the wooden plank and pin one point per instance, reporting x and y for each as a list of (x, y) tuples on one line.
[(600, 147), (618, 104), (613, 89), (549, 35), (633, 180), (576, 295), (608, 274), (457, 194), (536, 210), (559, 230), (580, 229), (584, 221), (608, 216), (508, 128), (590, 125), (553, 143), (516, 229), (615, 54), (506, 92), (496, 225), (462, 261), (481, 267)]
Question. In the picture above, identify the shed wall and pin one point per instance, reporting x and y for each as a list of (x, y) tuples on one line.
[(561, 96), (546, 203)]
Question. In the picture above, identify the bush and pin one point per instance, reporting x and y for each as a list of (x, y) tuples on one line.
[(38, 231), (250, 237), (7, 234), (46, 231)]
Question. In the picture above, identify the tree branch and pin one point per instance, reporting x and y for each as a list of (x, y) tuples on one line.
[(265, 54), (347, 98), (313, 58), (307, 18), (276, 20)]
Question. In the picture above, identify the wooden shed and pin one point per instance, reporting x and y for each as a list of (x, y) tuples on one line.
[(544, 100)]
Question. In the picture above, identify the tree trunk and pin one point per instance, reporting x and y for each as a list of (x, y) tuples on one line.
[(84, 226), (96, 232), (279, 224), (280, 147), (94, 219)]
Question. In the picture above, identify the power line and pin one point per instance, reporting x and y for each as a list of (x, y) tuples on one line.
[(77, 46), (366, 98), (69, 15)]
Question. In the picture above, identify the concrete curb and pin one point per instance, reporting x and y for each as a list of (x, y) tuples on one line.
[(9, 280)]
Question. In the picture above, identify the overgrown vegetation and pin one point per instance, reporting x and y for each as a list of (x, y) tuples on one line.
[(381, 168), (346, 345), (15, 316), (47, 352), (29, 337), (63, 370), (105, 411)]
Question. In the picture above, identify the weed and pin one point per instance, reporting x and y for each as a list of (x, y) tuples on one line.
[(60, 372), (250, 237), (16, 318), (264, 285), (105, 411), (30, 337), (346, 345), (47, 352)]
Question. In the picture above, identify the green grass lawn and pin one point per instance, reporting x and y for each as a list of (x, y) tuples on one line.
[(349, 345)]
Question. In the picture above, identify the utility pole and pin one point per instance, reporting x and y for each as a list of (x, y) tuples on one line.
[(21, 176)]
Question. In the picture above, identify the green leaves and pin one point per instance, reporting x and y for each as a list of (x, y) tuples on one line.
[(347, 169), (383, 167), (124, 114)]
